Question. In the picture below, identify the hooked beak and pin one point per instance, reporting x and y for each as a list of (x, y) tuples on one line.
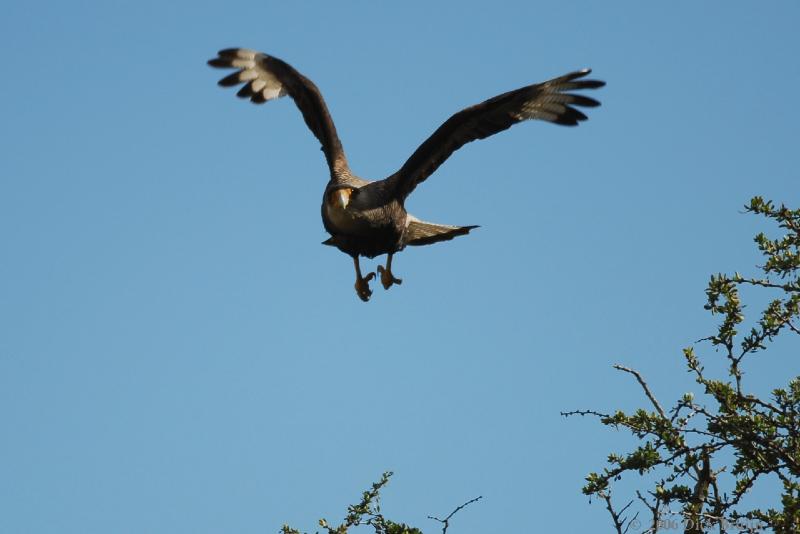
[(341, 197)]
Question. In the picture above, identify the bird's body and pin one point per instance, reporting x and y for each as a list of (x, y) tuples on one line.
[(362, 219), (368, 218)]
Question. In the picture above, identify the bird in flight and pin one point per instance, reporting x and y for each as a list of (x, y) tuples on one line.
[(368, 218)]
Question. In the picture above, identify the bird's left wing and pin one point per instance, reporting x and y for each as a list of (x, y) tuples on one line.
[(550, 101), (266, 78)]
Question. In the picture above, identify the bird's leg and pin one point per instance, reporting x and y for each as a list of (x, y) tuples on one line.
[(362, 283), (387, 278)]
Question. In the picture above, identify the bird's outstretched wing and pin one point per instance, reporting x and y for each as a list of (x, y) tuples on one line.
[(266, 78), (550, 101)]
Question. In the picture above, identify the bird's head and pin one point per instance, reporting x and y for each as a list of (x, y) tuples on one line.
[(339, 198)]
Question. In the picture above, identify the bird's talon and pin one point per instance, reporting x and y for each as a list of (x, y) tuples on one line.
[(387, 278), (362, 287)]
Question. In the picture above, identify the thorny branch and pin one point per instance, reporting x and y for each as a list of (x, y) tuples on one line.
[(446, 521), (616, 517), (761, 435)]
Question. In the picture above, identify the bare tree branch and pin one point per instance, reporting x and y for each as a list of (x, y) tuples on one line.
[(647, 392), (586, 412), (446, 521), (619, 521)]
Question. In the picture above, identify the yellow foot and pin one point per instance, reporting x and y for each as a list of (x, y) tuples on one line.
[(387, 278), (362, 287)]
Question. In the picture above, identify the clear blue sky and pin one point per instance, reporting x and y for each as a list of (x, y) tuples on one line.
[(180, 354)]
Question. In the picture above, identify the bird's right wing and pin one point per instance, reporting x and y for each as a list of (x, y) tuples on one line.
[(549, 101), (266, 78)]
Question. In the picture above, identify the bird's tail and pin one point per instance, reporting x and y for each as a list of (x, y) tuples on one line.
[(424, 233)]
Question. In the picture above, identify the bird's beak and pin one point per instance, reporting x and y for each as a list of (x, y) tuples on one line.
[(341, 197)]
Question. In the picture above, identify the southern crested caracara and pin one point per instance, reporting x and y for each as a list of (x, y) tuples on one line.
[(367, 218)]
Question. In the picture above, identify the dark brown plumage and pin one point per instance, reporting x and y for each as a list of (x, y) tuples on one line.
[(368, 218)]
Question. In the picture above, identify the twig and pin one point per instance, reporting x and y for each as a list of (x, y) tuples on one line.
[(619, 522), (446, 521), (766, 283), (586, 412), (793, 327), (654, 510), (644, 386)]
